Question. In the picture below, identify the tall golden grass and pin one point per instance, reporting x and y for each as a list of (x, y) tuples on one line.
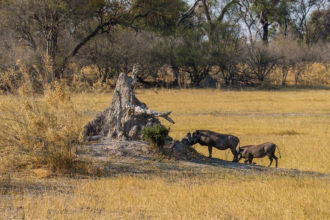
[(216, 196), (38, 128), (309, 74)]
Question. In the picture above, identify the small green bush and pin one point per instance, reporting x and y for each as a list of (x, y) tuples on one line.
[(156, 135)]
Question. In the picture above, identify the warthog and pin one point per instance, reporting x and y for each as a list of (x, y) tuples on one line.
[(213, 139), (258, 151)]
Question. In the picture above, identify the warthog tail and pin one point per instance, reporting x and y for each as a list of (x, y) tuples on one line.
[(278, 151)]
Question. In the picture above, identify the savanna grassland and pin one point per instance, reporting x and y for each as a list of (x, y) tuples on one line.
[(297, 121)]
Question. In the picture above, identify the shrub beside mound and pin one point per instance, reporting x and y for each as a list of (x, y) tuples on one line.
[(156, 135)]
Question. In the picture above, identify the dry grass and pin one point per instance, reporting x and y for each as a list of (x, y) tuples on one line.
[(218, 196), (299, 122), (36, 131), (39, 125)]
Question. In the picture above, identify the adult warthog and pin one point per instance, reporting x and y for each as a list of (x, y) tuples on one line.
[(213, 139), (258, 151)]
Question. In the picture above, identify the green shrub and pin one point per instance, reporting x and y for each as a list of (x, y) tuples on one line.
[(156, 135)]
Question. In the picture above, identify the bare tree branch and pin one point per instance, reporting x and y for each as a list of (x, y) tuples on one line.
[(136, 110), (226, 8), (96, 31), (189, 12)]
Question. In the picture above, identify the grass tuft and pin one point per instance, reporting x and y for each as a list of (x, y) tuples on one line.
[(287, 132), (39, 129)]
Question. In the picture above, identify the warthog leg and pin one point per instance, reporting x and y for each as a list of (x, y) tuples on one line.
[(275, 159), (249, 159), (210, 151), (271, 160), (233, 150)]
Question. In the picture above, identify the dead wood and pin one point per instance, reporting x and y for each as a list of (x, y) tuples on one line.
[(126, 116)]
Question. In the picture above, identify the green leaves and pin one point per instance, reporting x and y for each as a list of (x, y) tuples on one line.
[(156, 135), (159, 16)]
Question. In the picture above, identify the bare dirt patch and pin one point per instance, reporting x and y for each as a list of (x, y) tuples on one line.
[(137, 157)]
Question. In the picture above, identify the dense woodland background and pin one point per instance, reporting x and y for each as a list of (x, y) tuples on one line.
[(177, 43)]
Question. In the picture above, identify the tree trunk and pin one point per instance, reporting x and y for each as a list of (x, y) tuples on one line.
[(51, 47), (285, 71), (265, 26), (175, 70), (126, 116)]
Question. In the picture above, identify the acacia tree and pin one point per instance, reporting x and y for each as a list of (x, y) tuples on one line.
[(204, 9), (265, 10), (264, 17), (259, 61), (122, 47), (44, 24), (300, 13), (226, 52), (204, 46), (193, 56), (318, 26)]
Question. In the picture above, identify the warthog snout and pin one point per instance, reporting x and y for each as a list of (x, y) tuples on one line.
[(187, 139), (194, 138)]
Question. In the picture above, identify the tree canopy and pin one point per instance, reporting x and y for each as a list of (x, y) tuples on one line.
[(193, 38)]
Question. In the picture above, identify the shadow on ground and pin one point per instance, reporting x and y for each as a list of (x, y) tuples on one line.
[(129, 157)]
